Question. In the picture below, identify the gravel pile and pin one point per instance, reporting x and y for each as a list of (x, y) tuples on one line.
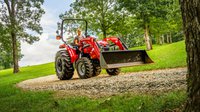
[(138, 82)]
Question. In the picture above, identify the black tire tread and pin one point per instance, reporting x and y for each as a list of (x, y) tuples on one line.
[(115, 71), (96, 69), (68, 69), (88, 67)]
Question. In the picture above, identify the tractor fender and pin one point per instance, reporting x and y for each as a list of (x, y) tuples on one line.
[(93, 49), (71, 51)]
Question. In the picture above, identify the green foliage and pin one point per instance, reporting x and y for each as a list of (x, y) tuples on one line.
[(128, 19), (162, 18), (5, 49), (5, 42), (169, 26), (102, 14), (128, 31), (143, 10), (6, 59)]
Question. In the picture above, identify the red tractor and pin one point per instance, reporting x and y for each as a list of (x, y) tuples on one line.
[(90, 56)]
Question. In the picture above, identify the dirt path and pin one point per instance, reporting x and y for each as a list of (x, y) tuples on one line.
[(104, 85)]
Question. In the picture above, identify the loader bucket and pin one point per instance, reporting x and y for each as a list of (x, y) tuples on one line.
[(119, 59)]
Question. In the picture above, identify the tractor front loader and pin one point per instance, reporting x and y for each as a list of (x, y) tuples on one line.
[(90, 56)]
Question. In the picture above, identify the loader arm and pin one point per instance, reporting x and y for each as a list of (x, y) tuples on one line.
[(117, 42)]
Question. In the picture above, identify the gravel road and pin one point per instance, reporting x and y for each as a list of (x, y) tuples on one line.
[(104, 85)]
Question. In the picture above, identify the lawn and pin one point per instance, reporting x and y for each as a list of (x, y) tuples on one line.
[(165, 56), (13, 99)]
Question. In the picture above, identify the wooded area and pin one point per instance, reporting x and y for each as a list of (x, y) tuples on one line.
[(137, 22)]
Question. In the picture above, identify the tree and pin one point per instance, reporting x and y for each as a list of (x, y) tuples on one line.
[(168, 28), (144, 10), (174, 30), (6, 59), (101, 14), (128, 31), (191, 22), (21, 16)]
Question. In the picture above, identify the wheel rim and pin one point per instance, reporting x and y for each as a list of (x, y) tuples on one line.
[(59, 67), (81, 69)]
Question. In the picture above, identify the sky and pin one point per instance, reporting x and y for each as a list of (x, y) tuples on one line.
[(44, 50)]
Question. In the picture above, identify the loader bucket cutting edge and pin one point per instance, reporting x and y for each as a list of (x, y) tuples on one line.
[(119, 59)]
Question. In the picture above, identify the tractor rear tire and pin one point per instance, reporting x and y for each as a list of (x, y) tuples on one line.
[(97, 68), (84, 68), (64, 67), (113, 71)]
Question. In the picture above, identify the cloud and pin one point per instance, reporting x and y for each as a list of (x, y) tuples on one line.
[(44, 50), (49, 20), (40, 52)]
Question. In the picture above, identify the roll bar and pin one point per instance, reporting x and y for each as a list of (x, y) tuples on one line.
[(86, 23)]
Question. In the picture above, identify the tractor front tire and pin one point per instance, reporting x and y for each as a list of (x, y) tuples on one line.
[(64, 67), (84, 68), (113, 71), (97, 68)]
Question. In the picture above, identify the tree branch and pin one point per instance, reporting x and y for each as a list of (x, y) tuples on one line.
[(8, 6)]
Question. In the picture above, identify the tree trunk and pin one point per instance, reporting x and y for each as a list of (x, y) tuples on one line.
[(163, 39), (104, 33), (191, 22), (157, 39), (103, 29), (15, 53), (160, 41), (147, 38), (11, 10), (170, 37), (167, 38)]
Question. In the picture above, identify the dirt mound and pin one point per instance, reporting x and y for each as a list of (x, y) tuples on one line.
[(137, 82)]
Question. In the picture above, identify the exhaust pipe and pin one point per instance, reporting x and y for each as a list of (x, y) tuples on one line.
[(126, 58)]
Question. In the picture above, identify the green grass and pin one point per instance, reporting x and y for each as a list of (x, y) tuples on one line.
[(13, 99), (165, 56), (126, 103)]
